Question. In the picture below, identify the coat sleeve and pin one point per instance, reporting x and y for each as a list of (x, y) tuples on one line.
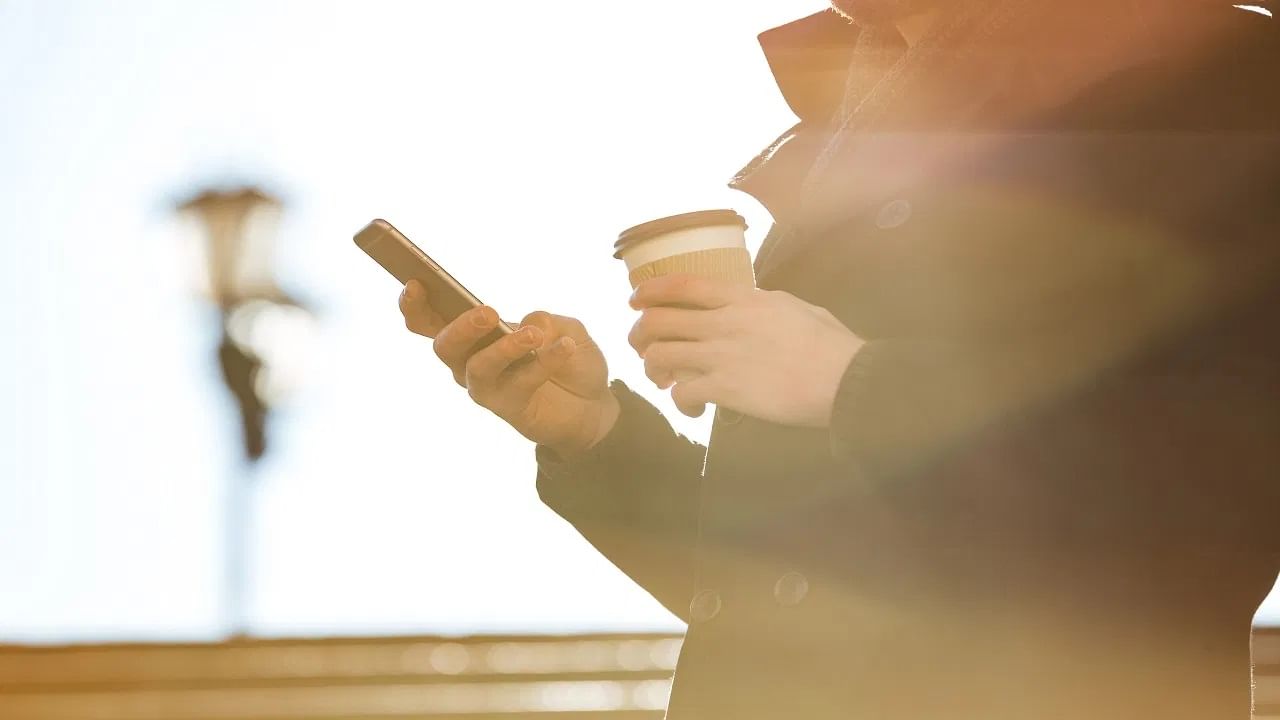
[(634, 497), (1197, 419)]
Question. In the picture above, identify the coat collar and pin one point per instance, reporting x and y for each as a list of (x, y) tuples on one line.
[(809, 59)]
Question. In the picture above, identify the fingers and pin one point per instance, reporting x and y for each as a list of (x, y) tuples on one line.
[(564, 325), (417, 312), (518, 384), (666, 362), (685, 367), (545, 322), (455, 343), (484, 368), (691, 397), (557, 326), (686, 290), (665, 323)]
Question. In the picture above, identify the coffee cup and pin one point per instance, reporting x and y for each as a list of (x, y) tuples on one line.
[(710, 243)]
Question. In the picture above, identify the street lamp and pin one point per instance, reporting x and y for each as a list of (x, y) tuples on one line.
[(259, 338)]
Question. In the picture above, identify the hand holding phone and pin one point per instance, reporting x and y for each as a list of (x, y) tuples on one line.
[(561, 399)]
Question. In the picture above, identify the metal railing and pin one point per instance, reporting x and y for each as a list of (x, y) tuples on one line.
[(619, 677), (587, 677)]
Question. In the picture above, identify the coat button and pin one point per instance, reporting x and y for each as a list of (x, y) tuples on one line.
[(729, 417), (790, 589), (705, 605), (893, 214)]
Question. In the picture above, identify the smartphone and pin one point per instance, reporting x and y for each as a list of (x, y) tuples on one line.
[(406, 261)]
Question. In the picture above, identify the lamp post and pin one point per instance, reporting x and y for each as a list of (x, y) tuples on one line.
[(256, 352)]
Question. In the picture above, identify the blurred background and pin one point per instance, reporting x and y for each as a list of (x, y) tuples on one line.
[(180, 182)]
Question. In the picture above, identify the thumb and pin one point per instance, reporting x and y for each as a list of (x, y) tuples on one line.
[(544, 322), (691, 396), (570, 326), (555, 326)]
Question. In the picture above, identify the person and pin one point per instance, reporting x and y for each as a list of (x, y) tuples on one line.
[(996, 434)]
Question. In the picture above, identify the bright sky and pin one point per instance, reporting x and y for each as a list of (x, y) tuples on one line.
[(512, 140)]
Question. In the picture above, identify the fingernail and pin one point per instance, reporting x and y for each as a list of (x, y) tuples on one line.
[(410, 291), (483, 318), (529, 336)]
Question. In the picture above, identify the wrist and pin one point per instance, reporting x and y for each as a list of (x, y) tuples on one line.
[(598, 421), (842, 359)]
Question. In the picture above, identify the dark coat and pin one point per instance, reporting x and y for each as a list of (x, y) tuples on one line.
[(1051, 488)]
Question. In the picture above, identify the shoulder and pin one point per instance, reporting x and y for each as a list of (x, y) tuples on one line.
[(1234, 84), (1229, 82)]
